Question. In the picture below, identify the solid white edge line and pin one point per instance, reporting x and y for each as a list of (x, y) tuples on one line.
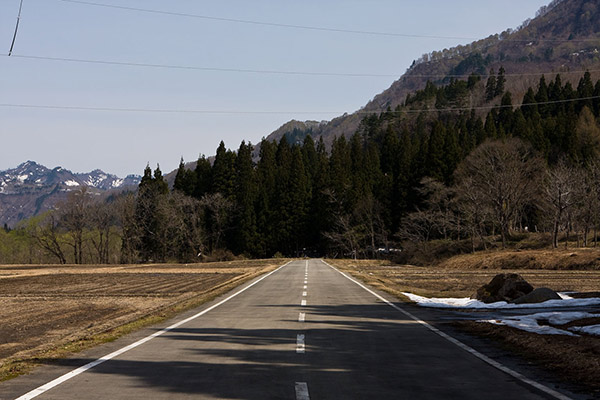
[(302, 391), (460, 344), (44, 388)]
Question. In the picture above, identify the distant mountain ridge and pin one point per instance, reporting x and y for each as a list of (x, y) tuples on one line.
[(32, 188)]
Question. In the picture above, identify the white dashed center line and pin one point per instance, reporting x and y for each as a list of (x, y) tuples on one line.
[(304, 294), (301, 317), (302, 391), (300, 346), (303, 303)]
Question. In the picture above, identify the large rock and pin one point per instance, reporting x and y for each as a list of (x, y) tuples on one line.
[(504, 287), (538, 295)]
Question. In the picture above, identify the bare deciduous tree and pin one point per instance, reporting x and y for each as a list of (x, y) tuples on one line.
[(560, 195), (102, 218), (74, 217), (44, 231), (469, 204), (506, 176), (218, 210)]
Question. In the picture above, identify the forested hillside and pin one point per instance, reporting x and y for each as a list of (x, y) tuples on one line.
[(418, 173), (562, 38)]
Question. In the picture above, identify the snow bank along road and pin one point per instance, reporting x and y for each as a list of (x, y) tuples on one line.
[(304, 331)]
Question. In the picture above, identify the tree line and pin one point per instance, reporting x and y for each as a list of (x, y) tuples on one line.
[(417, 173)]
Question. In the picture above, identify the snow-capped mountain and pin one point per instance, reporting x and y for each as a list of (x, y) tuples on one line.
[(32, 188)]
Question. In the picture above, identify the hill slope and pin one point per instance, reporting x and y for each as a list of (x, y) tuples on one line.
[(562, 38)]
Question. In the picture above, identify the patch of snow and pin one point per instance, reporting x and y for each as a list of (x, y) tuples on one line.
[(71, 183), (467, 303), (530, 323), (22, 178), (590, 329), (117, 183), (565, 295)]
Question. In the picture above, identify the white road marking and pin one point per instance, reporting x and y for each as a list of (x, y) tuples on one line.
[(305, 287), (303, 303), (460, 344), (44, 388), (302, 391), (301, 317), (305, 282), (304, 294), (300, 346)]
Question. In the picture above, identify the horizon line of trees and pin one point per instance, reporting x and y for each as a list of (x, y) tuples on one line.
[(401, 177)]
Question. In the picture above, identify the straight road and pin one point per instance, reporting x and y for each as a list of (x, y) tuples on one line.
[(303, 332)]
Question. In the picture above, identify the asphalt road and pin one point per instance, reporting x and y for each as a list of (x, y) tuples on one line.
[(303, 332)]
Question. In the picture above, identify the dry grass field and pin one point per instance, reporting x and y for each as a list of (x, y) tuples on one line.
[(572, 359), (460, 276), (51, 311)]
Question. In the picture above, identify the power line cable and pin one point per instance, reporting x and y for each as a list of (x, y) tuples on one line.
[(276, 72), (198, 68), (272, 24), (312, 28), (242, 112)]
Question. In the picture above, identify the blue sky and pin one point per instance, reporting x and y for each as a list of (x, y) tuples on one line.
[(123, 142)]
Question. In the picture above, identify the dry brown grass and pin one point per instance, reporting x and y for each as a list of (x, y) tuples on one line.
[(573, 359), (49, 312), (461, 275)]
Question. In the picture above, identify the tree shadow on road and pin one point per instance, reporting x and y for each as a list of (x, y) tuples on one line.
[(352, 352)]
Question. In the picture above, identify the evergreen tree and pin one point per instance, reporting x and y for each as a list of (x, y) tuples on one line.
[(185, 180), (490, 125), (341, 173), (505, 115), (585, 90), (267, 197), (490, 87), (246, 191), (223, 172), (500, 82), (542, 97), (529, 106), (203, 174), (435, 158)]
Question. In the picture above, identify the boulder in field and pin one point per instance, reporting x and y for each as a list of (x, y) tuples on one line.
[(538, 295), (504, 287)]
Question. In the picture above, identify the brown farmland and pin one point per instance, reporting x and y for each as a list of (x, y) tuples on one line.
[(50, 311)]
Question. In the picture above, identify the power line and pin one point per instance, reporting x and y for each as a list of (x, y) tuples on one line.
[(263, 23), (245, 112), (198, 68), (276, 72), (308, 27)]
